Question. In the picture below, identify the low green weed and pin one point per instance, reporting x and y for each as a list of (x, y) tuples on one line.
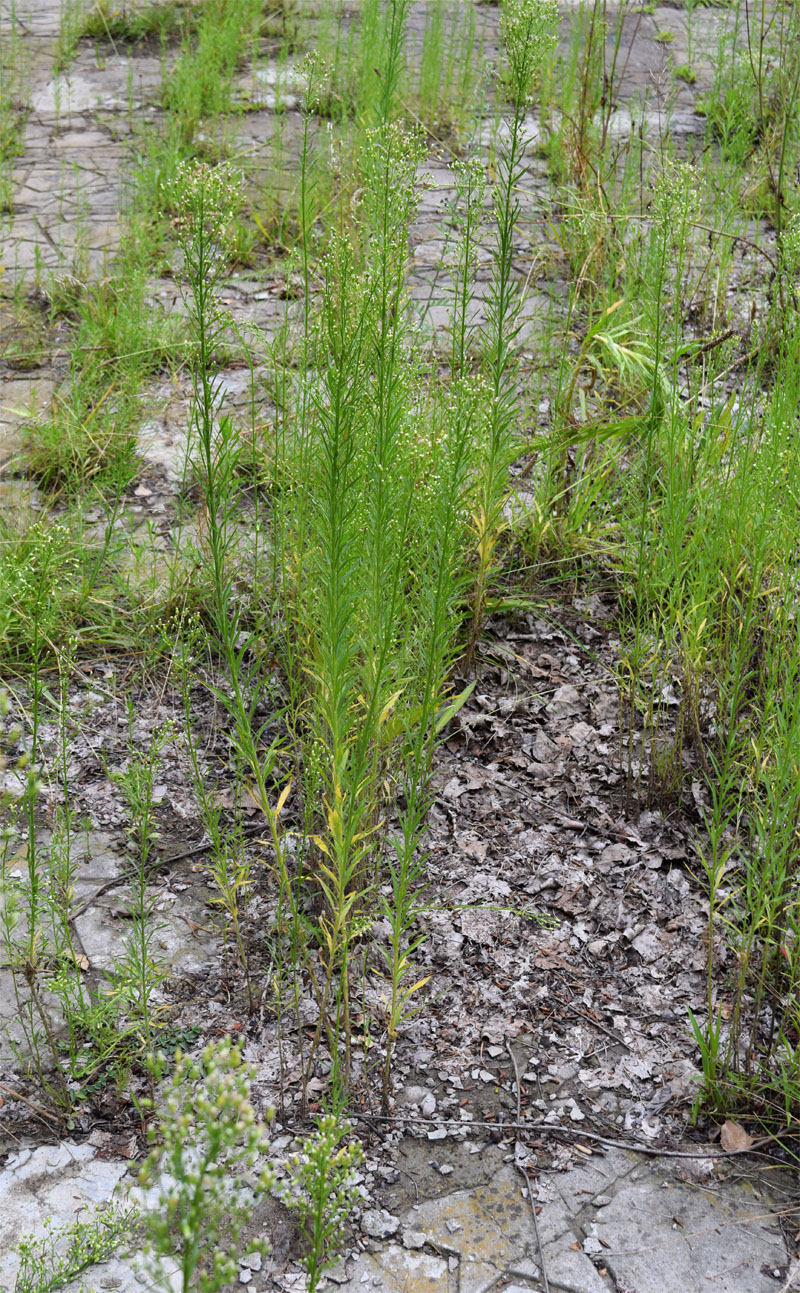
[(89, 441), (69, 32), (62, 1253), (753, 109), (199, 86), (45, 584), (323, 1193), (682, 500), (139, 971), (529, 30), (119, 337), (448, 81), (12, 122)]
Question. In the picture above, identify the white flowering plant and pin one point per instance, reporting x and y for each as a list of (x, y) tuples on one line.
[(207, 1134), (60, 1254), (676, 200), (206, 199), (530, 31), (323, 1192)]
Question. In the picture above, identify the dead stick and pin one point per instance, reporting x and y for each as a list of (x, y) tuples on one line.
[(520, 1166), (156, 866), (9, 1090), (556, 1129)]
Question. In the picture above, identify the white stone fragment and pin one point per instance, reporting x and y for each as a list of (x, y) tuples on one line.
[(379, 1224), (414, 1238)]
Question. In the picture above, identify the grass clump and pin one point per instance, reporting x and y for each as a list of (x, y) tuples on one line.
[(13, 111), (119, 338), (45, 584), (89, 441), (129, 23), (199, 87)]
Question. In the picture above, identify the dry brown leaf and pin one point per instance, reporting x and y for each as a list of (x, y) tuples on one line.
[(733, 1137), (242, 800)]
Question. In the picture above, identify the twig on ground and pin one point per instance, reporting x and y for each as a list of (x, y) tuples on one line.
[(520, 1166), (157, 866), (37, 1109), (557, 1129), (595, 1023)]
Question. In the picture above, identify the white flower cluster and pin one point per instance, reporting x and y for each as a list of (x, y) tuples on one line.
[(530, 32), (324, 1190), (676, 198), (470, 178), (207, 1130), (790, 245), (470, 181), (588, 217), (317, 75), (207, 200)]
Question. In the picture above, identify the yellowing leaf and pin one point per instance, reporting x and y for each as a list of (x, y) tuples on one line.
[(452, 709), (389, 706), (613, 307), (415, 987), (283, 797)]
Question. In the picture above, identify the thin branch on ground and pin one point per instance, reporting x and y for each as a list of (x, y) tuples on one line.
[(520, 1166)]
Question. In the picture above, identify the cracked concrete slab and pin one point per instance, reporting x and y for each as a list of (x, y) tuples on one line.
[(617, 1223), (397, 1270), (661, 1234), (647, 1231)]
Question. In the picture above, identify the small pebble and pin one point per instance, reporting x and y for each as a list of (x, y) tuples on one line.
[(414, 1238), (428, 1106), (379, 1225)]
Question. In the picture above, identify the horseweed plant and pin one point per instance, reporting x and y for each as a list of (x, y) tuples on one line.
[(197, 1203), (322, 1192), (140, 970), (383, 504), (370, 556), (529, 30), (33, 907), (208, 200)]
